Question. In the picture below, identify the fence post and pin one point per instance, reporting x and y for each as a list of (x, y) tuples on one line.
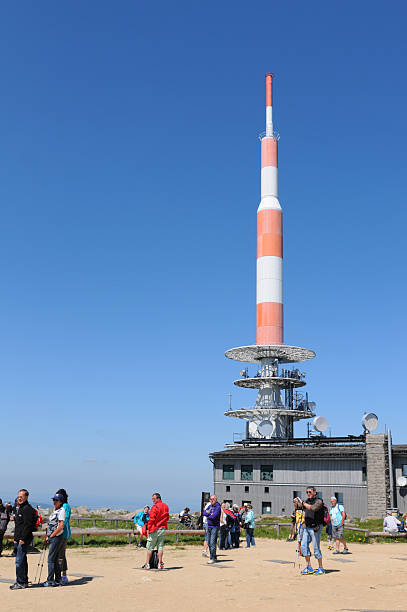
[(83, 540), (94, 522), (115, 524), (176, 537), (278, 530), (129, 538), (368, 535)]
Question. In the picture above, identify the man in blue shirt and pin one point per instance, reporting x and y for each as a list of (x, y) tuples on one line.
[(338, 515), (213, 516)]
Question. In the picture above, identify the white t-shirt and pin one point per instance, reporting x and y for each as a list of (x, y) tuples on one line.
[(56, 516), (205, 518), (391, 523)]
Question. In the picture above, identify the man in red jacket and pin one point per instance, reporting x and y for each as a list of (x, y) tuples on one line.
[(156, 527)]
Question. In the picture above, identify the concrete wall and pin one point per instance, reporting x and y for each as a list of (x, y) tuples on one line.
[(329, 476)]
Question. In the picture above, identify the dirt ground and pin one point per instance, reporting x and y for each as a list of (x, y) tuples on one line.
[(373, 577)]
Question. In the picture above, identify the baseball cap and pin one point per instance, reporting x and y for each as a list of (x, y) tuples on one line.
[(58, 497)]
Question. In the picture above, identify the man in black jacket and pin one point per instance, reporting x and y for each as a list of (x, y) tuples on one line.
[(4, 519), (314, 520), (24, 521)]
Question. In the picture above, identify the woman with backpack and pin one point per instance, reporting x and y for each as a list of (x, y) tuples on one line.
[(338, 516), (66, 535), (54, 538)]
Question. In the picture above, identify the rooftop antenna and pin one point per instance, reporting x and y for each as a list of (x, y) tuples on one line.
[(370, 422), (320, 424)]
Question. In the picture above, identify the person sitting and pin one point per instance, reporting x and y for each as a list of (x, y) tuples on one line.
[(391, 523), (184, 516), (141, 519)]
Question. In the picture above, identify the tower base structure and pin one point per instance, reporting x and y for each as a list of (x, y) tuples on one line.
[(278, 404)]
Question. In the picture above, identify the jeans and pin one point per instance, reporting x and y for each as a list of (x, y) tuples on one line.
[(250, 537), (212, 538), (54, 569), (22, 564), (62, 556), (236, 538), (206, 532), (309, 536)]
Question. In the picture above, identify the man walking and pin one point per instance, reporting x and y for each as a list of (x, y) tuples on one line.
[(337, 514), (25, 523), (213, 516), (156, 527), (314, 519)]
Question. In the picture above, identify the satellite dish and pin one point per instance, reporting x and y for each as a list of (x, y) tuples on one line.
[(320, 424), (266, 428), (401, 481), (253, 428), (370, 421)]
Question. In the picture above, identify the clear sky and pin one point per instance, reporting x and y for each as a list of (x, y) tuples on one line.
[(129, 184)]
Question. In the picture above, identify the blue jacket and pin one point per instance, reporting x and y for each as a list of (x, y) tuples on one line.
[(213, 515), (250, 518), (138, 519)]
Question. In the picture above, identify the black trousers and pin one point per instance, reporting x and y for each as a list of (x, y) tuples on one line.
[(2, 532)]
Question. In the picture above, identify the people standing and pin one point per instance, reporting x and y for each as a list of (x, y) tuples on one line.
[(66, 535), (235, 531), (249, 525), (55, 536), (338, 515), (141, 519), (314, 520), (25, 520), (213, 515), (156, 527), (223, 534), (205, 552), (4, 520)]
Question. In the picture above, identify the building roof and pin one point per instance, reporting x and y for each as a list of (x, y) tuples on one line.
[(293, 452), (400, 449)]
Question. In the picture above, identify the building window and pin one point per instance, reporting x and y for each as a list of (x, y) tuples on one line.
[(246, 489), (364, 473), (266, 507), (246, 501), (404, 469), (227, 488), (246, 472), (267, 489), (228, 501), (339, 497), (228, 472), (297, 494), (266, 472)]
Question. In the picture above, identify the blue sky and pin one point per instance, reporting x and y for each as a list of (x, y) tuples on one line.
[(129, 184)]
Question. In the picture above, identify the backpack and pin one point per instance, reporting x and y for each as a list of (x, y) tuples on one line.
[(327, 518), (154, 560)]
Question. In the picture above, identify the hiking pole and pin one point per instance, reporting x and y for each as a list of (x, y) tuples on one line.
[(42, 561), (38, 565)]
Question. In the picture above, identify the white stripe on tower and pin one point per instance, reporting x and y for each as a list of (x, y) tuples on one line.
[(269, 237)]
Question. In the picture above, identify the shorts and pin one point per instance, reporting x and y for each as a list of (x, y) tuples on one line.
[(156, 539), (139, 529), (300, 532), (337, 532)]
